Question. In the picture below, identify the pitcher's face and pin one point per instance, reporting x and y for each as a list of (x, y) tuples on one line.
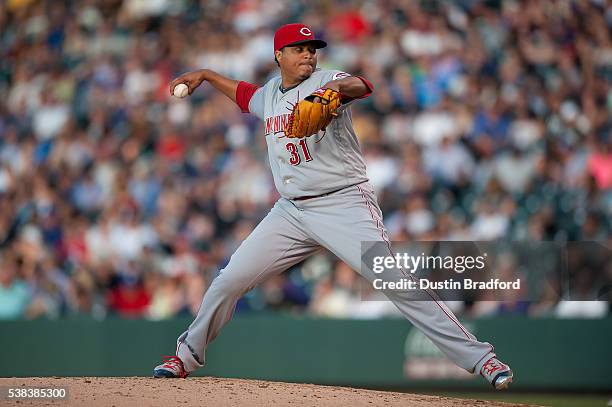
[(298, 61)]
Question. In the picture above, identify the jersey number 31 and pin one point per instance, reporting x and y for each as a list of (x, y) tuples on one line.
[(293, 149)]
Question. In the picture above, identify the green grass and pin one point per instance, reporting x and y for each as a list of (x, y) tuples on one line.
[(540, 399)]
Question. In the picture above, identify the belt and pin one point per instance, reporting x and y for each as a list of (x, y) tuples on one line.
[(302, 198)]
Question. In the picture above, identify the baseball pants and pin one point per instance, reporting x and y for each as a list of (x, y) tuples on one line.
[(292, 231)]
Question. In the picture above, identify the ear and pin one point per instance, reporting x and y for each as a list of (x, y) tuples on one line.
[(278, 55)]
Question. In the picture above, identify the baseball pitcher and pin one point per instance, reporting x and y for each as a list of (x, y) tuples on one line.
[(326, 202)]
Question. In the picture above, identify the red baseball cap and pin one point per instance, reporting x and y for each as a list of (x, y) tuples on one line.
[(294, 34)]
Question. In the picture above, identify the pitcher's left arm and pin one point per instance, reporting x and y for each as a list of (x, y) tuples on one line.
[(351, 87)]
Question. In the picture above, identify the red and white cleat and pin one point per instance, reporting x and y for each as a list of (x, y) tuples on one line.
[(171, 368), (497, 373)]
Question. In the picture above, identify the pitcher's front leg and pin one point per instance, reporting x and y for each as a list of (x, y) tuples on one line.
[(276, 244)]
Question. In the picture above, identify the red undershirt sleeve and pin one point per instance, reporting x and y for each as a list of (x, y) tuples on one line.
[(244, 93)]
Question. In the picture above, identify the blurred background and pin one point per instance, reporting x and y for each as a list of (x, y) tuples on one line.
[(490, 121)]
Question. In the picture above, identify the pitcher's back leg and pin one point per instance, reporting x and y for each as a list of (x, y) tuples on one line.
[(358, 218)]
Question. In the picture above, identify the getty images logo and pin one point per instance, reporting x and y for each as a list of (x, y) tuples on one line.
[(405, 261)]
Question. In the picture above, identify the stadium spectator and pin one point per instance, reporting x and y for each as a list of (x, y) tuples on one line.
[(490, 120)]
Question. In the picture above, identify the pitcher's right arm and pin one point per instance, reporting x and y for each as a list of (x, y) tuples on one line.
[(239, 92)]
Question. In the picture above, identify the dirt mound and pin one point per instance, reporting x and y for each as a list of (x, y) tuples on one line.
[(213, 392)]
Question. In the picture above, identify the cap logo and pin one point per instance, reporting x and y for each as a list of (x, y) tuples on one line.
[(305, 31)]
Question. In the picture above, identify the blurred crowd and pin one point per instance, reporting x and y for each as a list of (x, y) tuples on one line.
[(491, 120)]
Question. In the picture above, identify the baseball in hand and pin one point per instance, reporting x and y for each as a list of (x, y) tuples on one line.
[(180, 91)]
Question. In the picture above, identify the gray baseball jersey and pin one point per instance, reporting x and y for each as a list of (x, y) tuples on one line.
[(339, 221), (324, 162)]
